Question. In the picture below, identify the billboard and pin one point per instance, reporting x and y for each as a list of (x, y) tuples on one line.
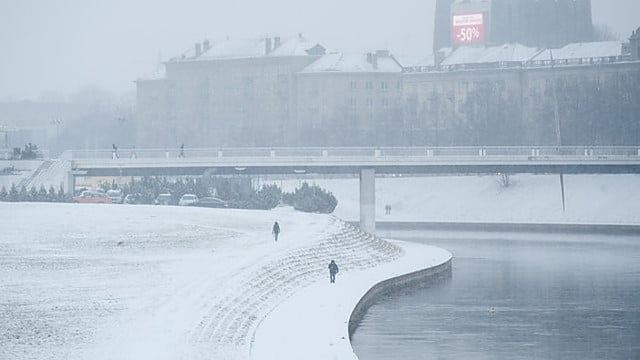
[(467, 29)]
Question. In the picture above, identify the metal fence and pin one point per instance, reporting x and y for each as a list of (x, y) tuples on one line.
[(358, 152)]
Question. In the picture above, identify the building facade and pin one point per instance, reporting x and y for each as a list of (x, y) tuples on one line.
[(350, 99), (227, 94), (508, 97), (299, 96), (540, 23)]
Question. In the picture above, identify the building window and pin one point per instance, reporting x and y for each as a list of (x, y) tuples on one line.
[(368, 84), (353, 84), (385, 103), (399, 85), (353, 103), (369, 102), (384, 85)]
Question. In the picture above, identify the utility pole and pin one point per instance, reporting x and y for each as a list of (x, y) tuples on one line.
[(556, 115), (556, 112)]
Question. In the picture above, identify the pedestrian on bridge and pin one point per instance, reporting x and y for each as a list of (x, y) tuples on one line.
[(276, 230)]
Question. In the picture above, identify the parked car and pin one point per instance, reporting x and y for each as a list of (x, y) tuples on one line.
[(92, 197), (211, 202), (115, 196), (133, 199), (187, 199), (164, 199)]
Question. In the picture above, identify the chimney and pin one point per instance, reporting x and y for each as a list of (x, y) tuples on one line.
[(198, 49), (267, 46), (372, 58), (205, 46), (276, 42)]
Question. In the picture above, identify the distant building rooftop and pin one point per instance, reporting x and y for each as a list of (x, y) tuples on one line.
[(252, 48), (492, 54), (589, 50), (158, 74), (378, 62)]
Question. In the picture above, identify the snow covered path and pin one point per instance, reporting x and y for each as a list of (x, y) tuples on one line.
[(81, 281)]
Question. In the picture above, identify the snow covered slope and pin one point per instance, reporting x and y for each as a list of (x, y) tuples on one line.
[(605, 199), (81, 281)]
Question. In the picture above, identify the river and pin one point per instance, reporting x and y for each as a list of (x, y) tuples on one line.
[(513, 296)]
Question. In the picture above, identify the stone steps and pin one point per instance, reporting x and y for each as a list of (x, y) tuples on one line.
[(232, 318)]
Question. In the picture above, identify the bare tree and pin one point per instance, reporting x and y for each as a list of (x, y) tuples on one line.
[(505, 180)]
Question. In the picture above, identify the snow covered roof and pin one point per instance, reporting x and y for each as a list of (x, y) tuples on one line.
[(600, 49), (230, 49), (492, 54), (407, 60), (354, 63), (158, 74), (254, 48), (298, 46)]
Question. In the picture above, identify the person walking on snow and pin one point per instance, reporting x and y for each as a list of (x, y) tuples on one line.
[(276, 230), (333, 270)]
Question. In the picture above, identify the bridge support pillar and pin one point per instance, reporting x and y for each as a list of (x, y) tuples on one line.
[(368, 200), (71, 183)]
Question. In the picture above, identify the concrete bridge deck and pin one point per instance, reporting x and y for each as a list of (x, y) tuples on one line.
[(363, 161), (351, 160)]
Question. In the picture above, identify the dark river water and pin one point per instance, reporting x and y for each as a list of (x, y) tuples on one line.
[(514, 296)]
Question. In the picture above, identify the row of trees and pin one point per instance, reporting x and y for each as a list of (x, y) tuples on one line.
[(237, 192), (42, 195)]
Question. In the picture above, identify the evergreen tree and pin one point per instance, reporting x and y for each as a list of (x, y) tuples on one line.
[(61, 195), (3, 194), (42, 194), (23, 195), (313, 199), (13, 193), (33, 194), (51, 196)]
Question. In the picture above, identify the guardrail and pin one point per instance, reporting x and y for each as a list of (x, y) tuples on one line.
[(346, 152)]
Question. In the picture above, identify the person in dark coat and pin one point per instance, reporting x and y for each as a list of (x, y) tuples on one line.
[(276, 230), (333, 270)]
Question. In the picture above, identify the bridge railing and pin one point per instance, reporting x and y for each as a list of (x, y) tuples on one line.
[(313, 152)]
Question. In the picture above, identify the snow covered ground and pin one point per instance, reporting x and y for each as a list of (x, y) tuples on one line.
[(81, 281), (603, 199)]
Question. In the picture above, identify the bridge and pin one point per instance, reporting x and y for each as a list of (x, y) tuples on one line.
[(366, 162)]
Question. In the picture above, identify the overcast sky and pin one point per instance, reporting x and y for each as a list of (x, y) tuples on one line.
[(59, 46)]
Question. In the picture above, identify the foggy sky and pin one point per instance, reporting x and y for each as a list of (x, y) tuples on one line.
[(59, 46)]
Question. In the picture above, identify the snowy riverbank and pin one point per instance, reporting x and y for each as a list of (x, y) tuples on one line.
[(84, 281), (590, 199)]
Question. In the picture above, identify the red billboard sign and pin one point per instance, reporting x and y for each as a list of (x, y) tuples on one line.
[(467, 29)]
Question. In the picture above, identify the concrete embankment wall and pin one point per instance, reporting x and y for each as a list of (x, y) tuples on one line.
[(392, 285), (613, 229)]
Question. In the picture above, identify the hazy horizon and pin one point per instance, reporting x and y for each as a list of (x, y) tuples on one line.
[(57, 48)]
